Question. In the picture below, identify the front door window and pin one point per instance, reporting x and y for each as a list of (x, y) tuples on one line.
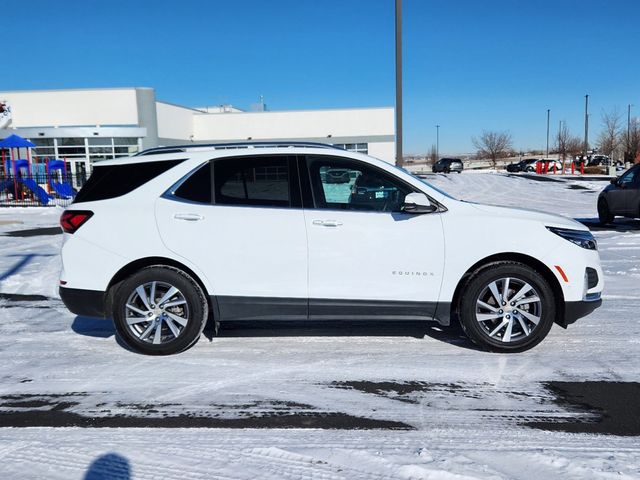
[(344, 185)]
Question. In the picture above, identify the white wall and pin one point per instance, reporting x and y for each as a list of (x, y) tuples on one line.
[(294, 124), (383, 150), (174, 121), (72, 107)]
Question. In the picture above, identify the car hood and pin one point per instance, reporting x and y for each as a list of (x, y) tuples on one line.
[(548, 219)]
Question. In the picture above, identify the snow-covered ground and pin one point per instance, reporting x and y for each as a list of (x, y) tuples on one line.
[(407, 402)]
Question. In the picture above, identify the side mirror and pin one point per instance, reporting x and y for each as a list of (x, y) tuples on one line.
[(614, 181), (418, 203)]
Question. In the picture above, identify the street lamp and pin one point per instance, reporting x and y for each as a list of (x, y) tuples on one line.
[(628, 149), (399, 83), (437, 142), (548, 118), (586, 126)]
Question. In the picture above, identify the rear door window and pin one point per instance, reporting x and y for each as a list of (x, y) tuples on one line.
[(261, 181)]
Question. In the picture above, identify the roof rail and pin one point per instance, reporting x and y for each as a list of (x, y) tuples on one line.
[(224, 146)]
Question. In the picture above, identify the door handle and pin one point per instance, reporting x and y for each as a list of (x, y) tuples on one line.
[(327, 223), (190, 217)]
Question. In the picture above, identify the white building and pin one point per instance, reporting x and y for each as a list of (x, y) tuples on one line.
[(88, 125)]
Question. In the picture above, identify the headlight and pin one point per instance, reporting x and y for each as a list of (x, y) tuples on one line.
[(579, 237)]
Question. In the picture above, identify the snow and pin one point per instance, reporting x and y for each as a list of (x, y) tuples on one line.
[(465, 408)]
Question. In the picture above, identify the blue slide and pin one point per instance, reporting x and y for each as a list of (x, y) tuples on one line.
[(36, 189), (64, 190)]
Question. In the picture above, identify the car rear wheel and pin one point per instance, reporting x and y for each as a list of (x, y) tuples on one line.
[(507, 307), (159, 310), (604, 214)]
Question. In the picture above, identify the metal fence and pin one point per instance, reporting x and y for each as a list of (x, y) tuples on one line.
[(39, 190)]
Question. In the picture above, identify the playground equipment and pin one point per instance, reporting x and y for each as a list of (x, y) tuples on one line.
[(56, 171), (25, 183), (21, 181)]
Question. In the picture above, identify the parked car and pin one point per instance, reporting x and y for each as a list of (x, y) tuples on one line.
[(162, 242), (599, 161), (337, 175), (526, 165), (621, 198), (448, 165)]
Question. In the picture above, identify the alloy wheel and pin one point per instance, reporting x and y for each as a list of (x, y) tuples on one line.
[(508, 310), (156, 312)]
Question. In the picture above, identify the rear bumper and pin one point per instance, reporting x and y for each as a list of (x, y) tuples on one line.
[(87, 303), (575, 310)]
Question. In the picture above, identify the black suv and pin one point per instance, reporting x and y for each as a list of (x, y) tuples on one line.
[(448, 165), (621, 198), (527, 165)]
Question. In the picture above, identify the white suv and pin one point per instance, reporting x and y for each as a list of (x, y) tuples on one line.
[(166, 239)]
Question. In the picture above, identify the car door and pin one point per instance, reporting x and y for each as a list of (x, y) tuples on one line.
[(633, 195), (247, 234), (623, 198), (367, 258)]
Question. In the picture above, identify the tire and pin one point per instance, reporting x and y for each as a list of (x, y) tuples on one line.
[(161, 329), (510, 327), (604, 214)]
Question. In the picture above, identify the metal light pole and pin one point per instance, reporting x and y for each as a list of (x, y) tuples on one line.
[(437, 142), (586, 126), (399, 159), (548, 118), (562, 143), (628, 146)]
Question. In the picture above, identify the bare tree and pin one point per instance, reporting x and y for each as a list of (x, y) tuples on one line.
[(609, 138), (567, 144), (433, 154), (633, 140), (493, 145)]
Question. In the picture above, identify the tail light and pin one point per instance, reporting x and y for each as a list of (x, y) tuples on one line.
[(72, 220)]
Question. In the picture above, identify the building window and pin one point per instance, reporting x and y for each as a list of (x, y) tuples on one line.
[(44, 147), (354, 147), (123, 147), (76, 141), (93, 149)]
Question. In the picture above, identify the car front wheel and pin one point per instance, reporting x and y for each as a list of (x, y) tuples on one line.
[(604, 214), (507, 307), (159, 310)]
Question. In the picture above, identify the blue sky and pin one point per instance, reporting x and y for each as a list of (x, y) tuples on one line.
[(469, 65)]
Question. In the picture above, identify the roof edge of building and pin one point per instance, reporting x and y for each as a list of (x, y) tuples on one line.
[(87, 89), (335, 109)]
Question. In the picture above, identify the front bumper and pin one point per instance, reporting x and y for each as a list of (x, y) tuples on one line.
[(87, 303), (575, 310)]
